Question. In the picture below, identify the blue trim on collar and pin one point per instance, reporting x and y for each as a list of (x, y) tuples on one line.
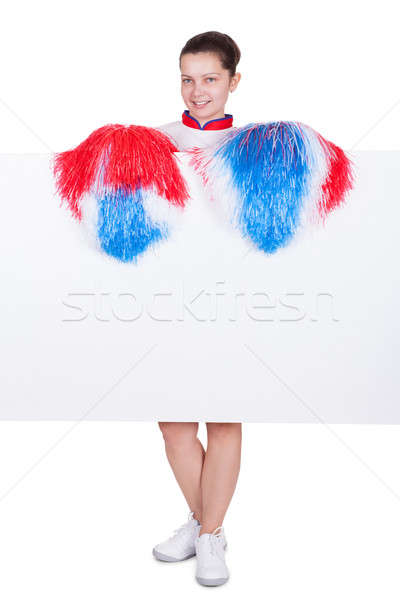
[(227, 117)]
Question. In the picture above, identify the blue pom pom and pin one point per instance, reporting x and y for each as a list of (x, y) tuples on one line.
[(270, 172), (125, 230)]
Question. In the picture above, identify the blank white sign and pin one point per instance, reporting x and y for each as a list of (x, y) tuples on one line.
[(204, 327)]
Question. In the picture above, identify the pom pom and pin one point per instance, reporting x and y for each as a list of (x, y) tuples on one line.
[(339, 178), (129, 170), (271, 178)]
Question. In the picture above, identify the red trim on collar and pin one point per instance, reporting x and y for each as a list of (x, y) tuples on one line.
[(222, 123)]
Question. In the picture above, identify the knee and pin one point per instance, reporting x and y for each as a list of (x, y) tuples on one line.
[(178, 434), (222, 431)]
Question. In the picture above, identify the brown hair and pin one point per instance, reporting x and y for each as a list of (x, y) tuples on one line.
[(219, 43)]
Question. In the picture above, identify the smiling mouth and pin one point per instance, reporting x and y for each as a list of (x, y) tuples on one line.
[(201, 103)]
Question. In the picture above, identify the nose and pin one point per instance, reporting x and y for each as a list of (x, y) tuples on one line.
[(198, 90)]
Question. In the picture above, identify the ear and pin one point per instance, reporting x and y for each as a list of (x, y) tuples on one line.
[(234, 81)]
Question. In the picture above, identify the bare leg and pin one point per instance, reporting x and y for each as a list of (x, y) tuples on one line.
[(220, 472), (185, 454)]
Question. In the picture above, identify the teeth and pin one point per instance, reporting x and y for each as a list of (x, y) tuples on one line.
[(201, 102)]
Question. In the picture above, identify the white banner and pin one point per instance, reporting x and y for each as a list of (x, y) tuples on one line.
[(203, 328)]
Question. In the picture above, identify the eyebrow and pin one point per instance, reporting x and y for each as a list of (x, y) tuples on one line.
[(183, 74)]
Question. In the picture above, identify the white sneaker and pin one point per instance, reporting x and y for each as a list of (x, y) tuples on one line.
[(180, 545), (210, 551)]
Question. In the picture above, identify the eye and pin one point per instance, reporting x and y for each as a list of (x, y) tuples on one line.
[(212, 78), (183, 80)]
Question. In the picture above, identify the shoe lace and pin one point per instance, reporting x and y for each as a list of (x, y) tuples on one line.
[(182, 531), (215, 539)]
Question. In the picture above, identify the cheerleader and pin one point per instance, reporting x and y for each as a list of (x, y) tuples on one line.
[(271, 179), (207, 478)]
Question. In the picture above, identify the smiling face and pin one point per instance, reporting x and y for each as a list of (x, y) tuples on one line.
[(205, 85)]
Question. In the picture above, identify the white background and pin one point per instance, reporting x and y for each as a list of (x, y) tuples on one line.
[(316, 510)]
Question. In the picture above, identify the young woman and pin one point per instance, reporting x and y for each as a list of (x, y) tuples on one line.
[(207, 478)]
